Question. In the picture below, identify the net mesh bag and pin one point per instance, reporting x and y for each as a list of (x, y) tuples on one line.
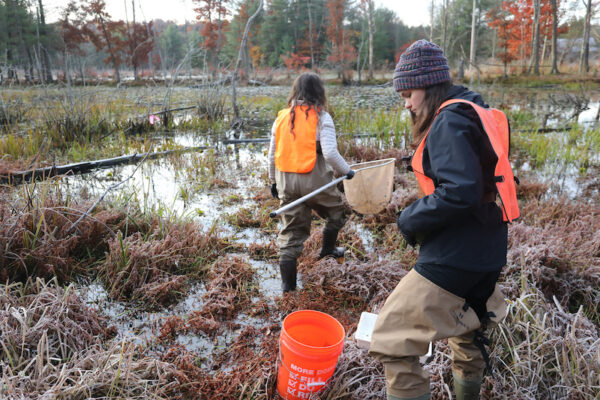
[(371, 189)]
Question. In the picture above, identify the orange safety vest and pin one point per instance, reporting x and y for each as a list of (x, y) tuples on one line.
[(495, 125), (296, 151)]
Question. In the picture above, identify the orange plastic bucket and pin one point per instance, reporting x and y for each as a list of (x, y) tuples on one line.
[(309, 347)]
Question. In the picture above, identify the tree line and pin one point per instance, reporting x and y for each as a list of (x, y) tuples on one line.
[(351, 37)]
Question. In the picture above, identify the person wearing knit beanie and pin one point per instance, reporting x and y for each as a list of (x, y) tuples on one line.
[(422, 65), (451, 292)]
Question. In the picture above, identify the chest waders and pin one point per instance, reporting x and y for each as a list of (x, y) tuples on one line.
[(300, 169), (496, 127)]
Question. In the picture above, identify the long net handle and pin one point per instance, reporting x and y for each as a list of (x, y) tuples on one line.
[(306, 197), (302, 199)]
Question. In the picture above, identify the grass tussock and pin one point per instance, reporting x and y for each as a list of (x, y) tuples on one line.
[(357, 376), (155, 268), (531, 190), (7, 165), (267, 251), (256, 217), (230, 287), (363, 153), (52, 347), (557, 243), (40, 239), (12, 112), (542, 350), (556, 233), (244, 370), (365, 284)]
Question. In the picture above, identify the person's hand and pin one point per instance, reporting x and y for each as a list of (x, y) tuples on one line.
[(350, 174), (274, 191), (411, 240)]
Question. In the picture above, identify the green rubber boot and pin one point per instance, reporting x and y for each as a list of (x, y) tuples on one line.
[(466, 390), (422, 397)]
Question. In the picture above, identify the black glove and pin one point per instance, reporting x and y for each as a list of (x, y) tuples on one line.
[(411, 240), (274, 191), (350, 174)]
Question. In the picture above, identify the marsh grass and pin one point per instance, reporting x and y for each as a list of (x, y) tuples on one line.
[(253, 218), (82, 121), (155, 268), (559, 242), (38, 240), (381, 127), (265, 252), (211, 103), (543, 350), (52, 346), (20, 147), (546, 348)]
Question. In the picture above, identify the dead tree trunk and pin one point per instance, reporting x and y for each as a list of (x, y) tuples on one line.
[(535, 50), (370, 11), (431, 22), (473, 35), (584, 66), (46, 67), (554, 37), (445, 26), (236, 110), (310, 38)]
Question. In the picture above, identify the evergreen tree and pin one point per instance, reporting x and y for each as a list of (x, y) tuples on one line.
[(275, 38), (19, 38), (172, 45)]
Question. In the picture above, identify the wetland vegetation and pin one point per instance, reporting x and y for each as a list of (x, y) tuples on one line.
[(168, 287)]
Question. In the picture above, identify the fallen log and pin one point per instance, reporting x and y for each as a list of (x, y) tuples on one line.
[(167, 111), (239, 141), (40, 174), (543, 130)]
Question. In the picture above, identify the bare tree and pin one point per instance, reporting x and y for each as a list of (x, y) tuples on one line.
[(310, 34), (473, 36), (236, 110), (445, 25), (584, 66), (46, 66), (554, 36), (535, 48), (370, 11), (362, 42), (432, 10)]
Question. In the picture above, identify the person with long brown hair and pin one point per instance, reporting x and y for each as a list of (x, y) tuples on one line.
[(452, 290), (302, 157)]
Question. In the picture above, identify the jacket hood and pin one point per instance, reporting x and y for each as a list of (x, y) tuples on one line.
[(461, 92)]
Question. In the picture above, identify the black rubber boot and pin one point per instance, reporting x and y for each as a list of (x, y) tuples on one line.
[(329, 249), (288, 275)]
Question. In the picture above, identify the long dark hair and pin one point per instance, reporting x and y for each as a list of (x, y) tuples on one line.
[(434, 97), (309, 88)]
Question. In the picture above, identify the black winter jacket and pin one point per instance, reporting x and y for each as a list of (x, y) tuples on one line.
[(457, 227)]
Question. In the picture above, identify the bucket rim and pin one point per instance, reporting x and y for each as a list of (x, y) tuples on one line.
[(379, 163), (330, 347)]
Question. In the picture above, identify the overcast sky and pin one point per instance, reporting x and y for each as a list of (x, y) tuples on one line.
[(411, 12)]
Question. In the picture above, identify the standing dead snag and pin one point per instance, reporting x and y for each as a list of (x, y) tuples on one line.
[(237, 122)]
